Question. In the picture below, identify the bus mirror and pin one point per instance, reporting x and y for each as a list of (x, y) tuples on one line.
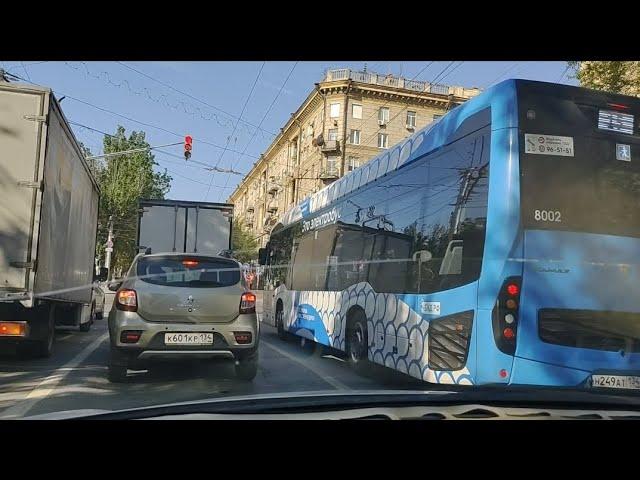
[(262, 256)]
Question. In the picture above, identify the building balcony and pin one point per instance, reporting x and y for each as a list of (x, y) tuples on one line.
[(272, 207), (331, 146), (251, 208), (329, 174), (273, 188)]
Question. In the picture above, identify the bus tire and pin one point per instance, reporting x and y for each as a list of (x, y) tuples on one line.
[(282, 334), (357, 344)]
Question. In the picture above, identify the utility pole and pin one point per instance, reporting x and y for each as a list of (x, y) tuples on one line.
[(109, 247)]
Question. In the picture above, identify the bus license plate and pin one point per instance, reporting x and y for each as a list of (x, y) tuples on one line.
[(615, 381), (196, 338)]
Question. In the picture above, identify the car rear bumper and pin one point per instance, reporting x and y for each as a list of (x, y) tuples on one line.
[(151, 344)]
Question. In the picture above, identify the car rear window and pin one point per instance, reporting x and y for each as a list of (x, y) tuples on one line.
[(184, 271)]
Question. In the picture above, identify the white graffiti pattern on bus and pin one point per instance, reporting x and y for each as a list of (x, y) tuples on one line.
[(390, 323)]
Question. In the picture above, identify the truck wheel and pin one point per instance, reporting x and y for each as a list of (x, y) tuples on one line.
[(43, 347), (247, 368), (86, 326)]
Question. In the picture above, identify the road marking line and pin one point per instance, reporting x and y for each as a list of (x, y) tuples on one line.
[(48, 385), (330, 380)]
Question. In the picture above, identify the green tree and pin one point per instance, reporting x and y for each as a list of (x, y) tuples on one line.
[(123, 180), (243, 243), (617, 77)]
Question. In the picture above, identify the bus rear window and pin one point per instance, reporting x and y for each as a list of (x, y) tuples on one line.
[(596, 190)]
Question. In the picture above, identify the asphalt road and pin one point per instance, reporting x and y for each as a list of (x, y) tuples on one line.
[(75, 377)]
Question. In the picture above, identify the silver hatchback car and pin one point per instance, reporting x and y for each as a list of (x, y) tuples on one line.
[(182, 306)]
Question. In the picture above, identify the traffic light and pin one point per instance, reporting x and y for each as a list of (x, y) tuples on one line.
[(188, 145)]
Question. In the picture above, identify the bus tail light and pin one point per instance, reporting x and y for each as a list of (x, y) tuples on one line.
[(505, 315), (248, 302)]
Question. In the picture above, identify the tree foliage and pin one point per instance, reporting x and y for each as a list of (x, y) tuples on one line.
[(123, 181), (617, 77), (243, 243)]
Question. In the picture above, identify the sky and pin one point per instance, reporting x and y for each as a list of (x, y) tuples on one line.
[(220, 104)]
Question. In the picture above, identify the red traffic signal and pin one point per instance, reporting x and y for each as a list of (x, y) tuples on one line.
[(188, 146)]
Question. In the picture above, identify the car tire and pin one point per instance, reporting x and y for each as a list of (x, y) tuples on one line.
[(117, 373), (247, 368), (357, 342)]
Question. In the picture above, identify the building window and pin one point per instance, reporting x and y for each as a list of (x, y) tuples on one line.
[(354, 137), (332, 165), (334, 111), (333, 134), (411, 119), (356, 110), (383, 115), (353, 163), (383, 140), (436, 117)]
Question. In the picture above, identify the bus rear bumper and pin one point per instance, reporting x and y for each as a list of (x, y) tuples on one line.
[(531, 372)]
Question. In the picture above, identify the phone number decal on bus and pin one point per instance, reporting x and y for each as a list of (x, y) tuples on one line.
[(548, 145)]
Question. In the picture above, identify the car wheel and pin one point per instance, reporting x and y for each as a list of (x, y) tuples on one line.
[(357, 341), (247, 368), (117, 373)]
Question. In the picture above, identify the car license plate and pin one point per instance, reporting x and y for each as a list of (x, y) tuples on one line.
[(615, 381), (196, 338)]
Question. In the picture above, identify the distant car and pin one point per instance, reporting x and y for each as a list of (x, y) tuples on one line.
[(178, 306), (98, 302)]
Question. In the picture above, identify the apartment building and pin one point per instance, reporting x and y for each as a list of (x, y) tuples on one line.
[(347, 119)]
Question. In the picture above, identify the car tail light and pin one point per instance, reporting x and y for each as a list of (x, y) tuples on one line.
[(248, 302), (127, 300), (130, 336), (13, 329), (242, 337), (505, 315)]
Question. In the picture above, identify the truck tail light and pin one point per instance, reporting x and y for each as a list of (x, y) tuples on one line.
[(127, 300), (505, 315), (13, 329), (248, 302)]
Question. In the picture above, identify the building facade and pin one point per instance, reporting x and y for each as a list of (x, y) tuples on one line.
[(346, 120)]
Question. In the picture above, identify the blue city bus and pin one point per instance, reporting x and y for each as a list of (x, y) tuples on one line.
[(498, 245)]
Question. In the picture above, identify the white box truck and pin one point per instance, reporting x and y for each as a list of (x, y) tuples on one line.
[(184, 226), (48, 222)]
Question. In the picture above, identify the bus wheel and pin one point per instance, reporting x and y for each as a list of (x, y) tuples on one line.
[(357, 341), (282, 335)]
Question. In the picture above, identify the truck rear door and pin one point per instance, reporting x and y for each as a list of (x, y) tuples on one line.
[(22, 138)]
